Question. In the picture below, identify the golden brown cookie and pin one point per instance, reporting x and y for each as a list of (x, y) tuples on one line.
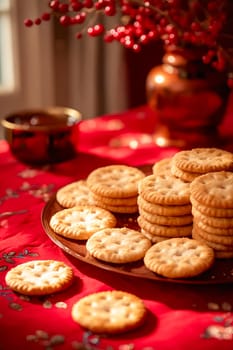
[(183, 175), (162, 167), (153, 238), (123, 209), (203, 160), (129, 201), (162, 230), (118, 245), (213, 230), (81, 222), (109, 312), (214, 189), (221, 239), (75, 193), (165, 219), (39, 277), (116, 181), (213, 245), (211, 211), (169, 210), (164, 190), (213, 221), (179, 258)]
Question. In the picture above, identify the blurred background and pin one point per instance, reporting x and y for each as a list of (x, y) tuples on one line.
[(45, 65)]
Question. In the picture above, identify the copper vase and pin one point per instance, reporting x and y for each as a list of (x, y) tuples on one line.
[(189, 99)]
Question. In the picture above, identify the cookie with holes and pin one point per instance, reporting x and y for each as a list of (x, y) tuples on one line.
[(109, 312), (179, 258)]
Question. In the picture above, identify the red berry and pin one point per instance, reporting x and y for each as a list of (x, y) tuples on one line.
[(80, 17), (45, 16), (96, 30), (54, 4), (28, 22), (65, 20), (63, 7), (37, 21), (78, 35)]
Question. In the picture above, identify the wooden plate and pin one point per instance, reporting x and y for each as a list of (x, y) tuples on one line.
[(220, 273)]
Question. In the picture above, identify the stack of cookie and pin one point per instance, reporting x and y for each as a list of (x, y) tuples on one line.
[(115, 188), (164, 207), (189, 164), (212, 208)]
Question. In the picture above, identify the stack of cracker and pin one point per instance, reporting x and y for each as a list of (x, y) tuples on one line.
[(115, 188), (188, 165), (212, 208), (164, 207)]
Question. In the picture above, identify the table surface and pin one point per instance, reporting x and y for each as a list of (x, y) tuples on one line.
[(180, 316)]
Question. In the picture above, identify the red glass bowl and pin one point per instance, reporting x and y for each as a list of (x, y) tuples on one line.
[(42, 136)]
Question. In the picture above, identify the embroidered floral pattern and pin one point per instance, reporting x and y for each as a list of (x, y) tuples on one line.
[(221, 329), (11, 257), (42, 191), (44, 339)]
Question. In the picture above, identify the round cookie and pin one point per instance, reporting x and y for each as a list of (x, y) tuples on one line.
[(162, 230), (118, 245), (211, 211), (213, 221), (165, 190), (213, 245), (39, 277), (162, 167), (109, 312), (165, 219), (203, 160), (81, 222), (183, 175), (116, 181), (123, 209), (129, 201), (73, 194), (179, 258), (158, 209), (153, 238), (213, 230), (214, 189), (222, 239)]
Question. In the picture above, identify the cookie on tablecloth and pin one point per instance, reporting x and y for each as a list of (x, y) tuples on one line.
[(39, 277), (212, 206), (73, 194), (164, 207), (190, 164), (81, 222), (109, 312), (118, 245), (179, 258), (115, 187)]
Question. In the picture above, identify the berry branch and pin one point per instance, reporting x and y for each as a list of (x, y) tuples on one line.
[(181, 23)]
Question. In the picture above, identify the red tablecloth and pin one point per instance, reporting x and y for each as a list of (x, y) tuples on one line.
[(180, 316)]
